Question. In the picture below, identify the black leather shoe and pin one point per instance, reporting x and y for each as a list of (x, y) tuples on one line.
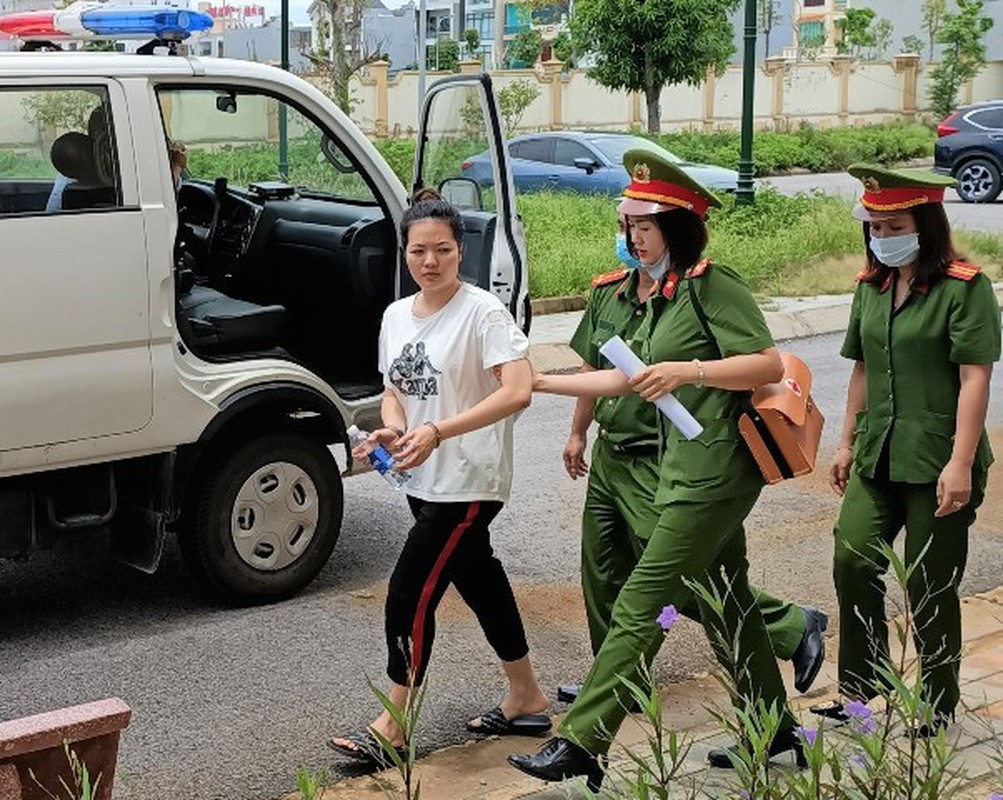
[(559, 759), (568, 692), (810, 654), (782, 743)]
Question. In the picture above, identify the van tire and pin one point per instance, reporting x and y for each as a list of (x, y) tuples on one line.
[(278, 487)]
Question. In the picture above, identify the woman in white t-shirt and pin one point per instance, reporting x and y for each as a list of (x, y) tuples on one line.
[(455, 368)]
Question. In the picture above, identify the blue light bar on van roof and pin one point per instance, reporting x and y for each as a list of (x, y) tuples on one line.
[(90, 20), (127, 21)]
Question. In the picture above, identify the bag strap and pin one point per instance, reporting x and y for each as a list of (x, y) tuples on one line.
[(702, 316), (746, 404)]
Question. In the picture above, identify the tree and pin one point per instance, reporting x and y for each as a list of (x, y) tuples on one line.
[(513, 101), (769, 16), (963, 35), (933, 12), (525, 47), (564, 49), (444, 56), (883, 31), (912, 44), (857, 31), (473, 39), (644, 46), (340, 50)]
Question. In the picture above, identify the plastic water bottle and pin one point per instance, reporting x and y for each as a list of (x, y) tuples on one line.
[(380, 458)]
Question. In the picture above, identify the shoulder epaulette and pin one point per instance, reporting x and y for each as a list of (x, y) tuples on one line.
[(963, 271), (699, 269), (609, 277)]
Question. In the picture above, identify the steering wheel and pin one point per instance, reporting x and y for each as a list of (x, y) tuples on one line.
[(199, 214)]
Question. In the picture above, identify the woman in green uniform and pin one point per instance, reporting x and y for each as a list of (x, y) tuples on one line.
[(707, 486), (924, 333), (620, 512)]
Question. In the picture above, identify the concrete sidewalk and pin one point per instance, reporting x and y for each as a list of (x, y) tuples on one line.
[(788, 318), (478, 770)]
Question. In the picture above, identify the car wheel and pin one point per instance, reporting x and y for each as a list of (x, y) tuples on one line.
[(979, 181), (267, 517)]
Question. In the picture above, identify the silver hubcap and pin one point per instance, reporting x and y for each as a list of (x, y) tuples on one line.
[(976, 181), (275, 516)]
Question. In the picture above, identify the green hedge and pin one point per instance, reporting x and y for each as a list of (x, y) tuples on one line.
[(807, 148)]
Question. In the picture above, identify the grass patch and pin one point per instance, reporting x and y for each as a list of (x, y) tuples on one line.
[(984, 249), (570, 239), (803, 245)]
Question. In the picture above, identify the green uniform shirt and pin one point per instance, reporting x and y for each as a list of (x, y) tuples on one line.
[(614, 310), (717, 464), (912, 359)]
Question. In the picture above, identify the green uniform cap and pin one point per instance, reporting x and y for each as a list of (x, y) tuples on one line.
[(658, 185), (891, 191)]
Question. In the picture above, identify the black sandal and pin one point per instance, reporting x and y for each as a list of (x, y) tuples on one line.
[(366, 748), (494, 723), (831, 709)]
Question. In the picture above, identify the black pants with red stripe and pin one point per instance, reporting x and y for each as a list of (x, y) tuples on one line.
[(449, 543)]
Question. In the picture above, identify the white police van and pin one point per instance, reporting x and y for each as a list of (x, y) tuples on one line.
[(182, 361)]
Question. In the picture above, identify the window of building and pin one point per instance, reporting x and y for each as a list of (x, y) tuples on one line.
[(484, 23), (814, 3), (59, 152), (812, 34)]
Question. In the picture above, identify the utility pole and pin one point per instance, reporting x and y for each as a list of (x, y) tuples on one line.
[(283, 121), (422, 52), (746, 194)]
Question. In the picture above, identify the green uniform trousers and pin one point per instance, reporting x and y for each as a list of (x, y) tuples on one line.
[(619, 516), (874, 511), (697, 540)]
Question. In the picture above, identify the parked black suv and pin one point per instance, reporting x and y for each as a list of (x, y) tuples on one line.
[(970, 148)]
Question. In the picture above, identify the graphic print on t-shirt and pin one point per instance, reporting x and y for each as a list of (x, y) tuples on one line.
[(413, 374)]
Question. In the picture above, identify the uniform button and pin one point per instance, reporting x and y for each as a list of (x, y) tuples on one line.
[(639, 312)]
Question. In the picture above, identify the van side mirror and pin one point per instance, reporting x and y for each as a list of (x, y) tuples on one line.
[(463, 193), (587, 164)]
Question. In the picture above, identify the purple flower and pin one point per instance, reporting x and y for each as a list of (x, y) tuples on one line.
[(808, 735), (858, 710), (859, 760), (745, 794), (996, 797), (864, 725), (668, 617)]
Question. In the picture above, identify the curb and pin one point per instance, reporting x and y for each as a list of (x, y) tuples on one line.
[(788, 318), (557, 305)]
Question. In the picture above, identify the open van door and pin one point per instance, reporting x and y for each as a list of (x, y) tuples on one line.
[(462, 153)]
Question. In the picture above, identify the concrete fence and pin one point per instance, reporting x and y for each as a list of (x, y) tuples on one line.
[(834, 92)]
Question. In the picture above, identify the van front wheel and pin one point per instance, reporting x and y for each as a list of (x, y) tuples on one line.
[(267, 519)]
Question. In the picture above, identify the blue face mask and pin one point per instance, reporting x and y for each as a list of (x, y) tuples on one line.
[(896, 251), (623, 254)]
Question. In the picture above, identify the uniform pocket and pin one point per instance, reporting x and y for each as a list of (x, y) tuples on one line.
[(707, 458)]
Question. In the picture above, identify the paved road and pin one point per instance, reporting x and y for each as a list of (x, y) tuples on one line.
[(988, 217), (228, 703)]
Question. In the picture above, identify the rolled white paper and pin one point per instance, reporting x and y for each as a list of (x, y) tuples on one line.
[(624, 359)]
